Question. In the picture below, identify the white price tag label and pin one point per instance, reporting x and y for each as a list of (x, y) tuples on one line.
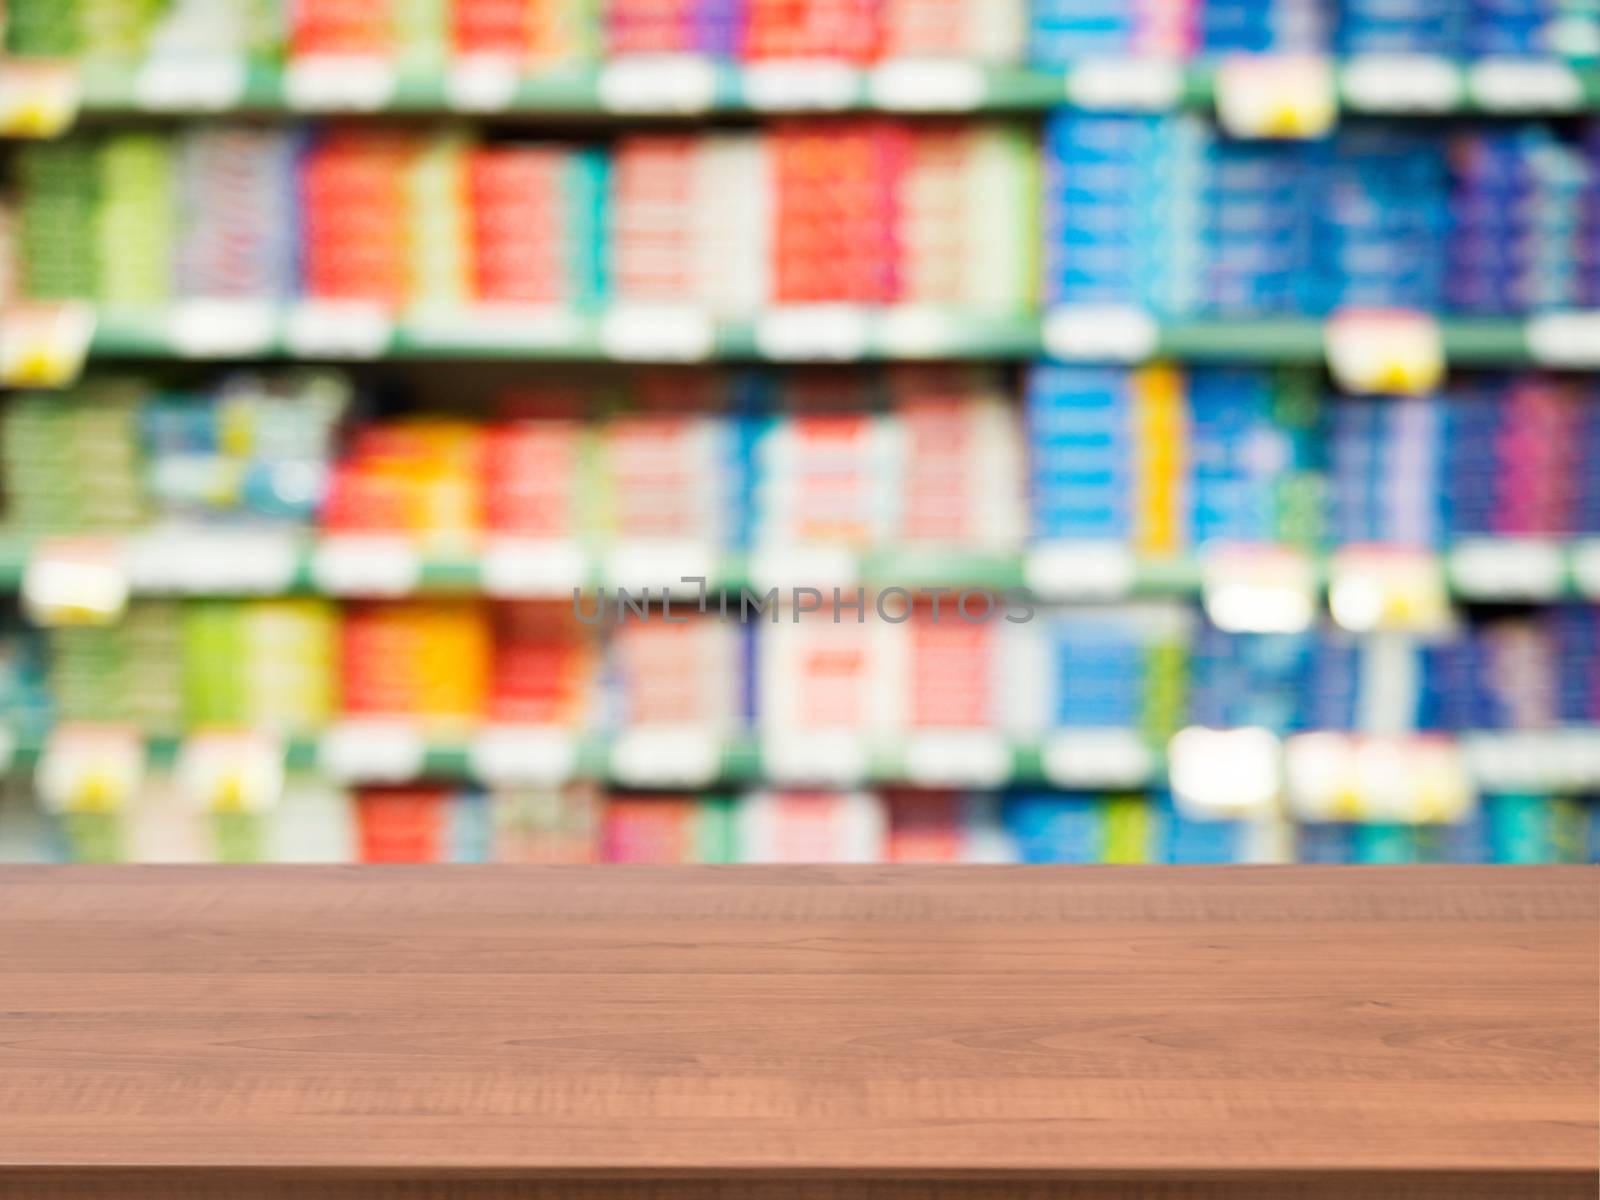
[(1276, 96), (909, 331), (1402, 83), (931, 85), (38, 99), (524, 755), (1544, 760), (1579, 759), (676, 756), (1259, 588), (339, 82), (1225, 772), (90, 768), (1097, 758), (231, 771), (658, 333), (1125, 84), (815, 757), (222, 328), (1100, 332), (1385, 351), (813, 85), (1547, 760), (345, 329), (660, 565), (366, 565), (533, 568), (372, 751), (482, 83), (814, 333), (1081, 570), (1361, 777), (202, 562), (75, 581), (804, 564), (1391, 588), (1565, 339), (1586, 567), (667, 83), (44, 345), (1508, 569), (490, 327), (1517, 85), (976, 758), (185, 84)]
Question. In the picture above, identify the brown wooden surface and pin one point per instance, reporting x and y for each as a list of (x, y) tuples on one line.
[(1290, 1032)]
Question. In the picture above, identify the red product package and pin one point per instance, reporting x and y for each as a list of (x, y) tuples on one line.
[(355, 230), (401, 825), (502, 28), (649, 829), (839, 29), (926, 827), (951, 667), (835, 234), (649, 26), (531, 478), (517, 217), (341, 27), (543, 665)]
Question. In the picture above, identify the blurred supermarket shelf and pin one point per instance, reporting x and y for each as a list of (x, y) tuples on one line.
[(1321, 775), (251, 562), (43, 345), (44, 98)]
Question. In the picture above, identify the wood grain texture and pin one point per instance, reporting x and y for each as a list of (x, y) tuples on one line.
[(1301, 1033)]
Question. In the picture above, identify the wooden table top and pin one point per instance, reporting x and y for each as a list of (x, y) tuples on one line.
[(1202, 1027)]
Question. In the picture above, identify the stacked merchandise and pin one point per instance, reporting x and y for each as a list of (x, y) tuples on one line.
[(1120, 669), (129, 673), (1065, 31), (870, 212), (293, 665), (579, 825), (961, 461), (261, 664), (72, 463), (425, 661), (257, 450), (1166, 460), (688, 220), (1526, 225), (710, 27), (124, 29), (543, 34), (1161, 459), (115, 455), (535, 34), (1499, 456), (420, 477), (1165, 213)]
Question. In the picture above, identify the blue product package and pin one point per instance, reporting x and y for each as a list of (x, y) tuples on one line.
[(1055, 828), (469, 837), (1386, 843), (1325, 843), (1518, 828), (1193, 841)]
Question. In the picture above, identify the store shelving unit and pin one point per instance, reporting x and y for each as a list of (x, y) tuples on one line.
[(655, 90)]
